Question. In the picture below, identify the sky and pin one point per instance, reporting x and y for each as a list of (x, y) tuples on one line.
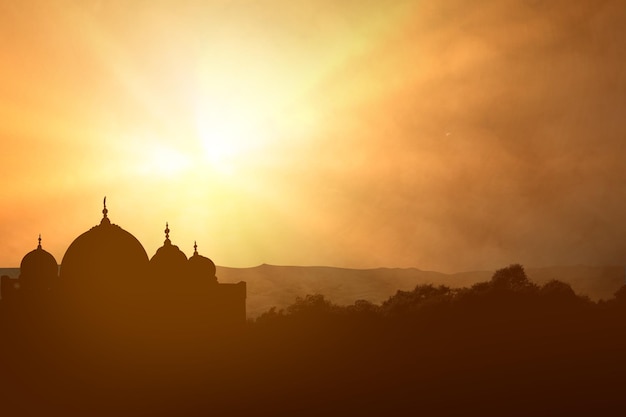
[(443, 135)]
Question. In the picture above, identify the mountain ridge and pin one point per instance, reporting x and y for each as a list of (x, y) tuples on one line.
[(279, 285)]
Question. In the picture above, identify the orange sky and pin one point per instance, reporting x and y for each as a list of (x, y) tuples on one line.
[(439, 135)]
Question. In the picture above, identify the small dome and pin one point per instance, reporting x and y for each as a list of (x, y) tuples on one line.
[(106, 256), (38, 270), (169, 259), (201, 267)]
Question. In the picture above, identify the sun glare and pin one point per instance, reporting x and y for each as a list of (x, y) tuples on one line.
[(222, 139), (231, 133), (165, 161)]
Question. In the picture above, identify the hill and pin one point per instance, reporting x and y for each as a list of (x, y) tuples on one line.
[(278, 286)]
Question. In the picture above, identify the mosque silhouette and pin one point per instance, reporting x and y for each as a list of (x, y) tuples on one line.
[(106, 283)]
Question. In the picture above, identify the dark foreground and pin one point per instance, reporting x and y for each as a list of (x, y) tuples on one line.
[(506, 347)]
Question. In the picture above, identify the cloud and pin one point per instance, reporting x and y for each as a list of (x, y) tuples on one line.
[(443, 135), (500, 132)]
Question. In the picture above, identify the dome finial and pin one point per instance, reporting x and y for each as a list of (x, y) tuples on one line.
[(167, 232), (39, 245), (195, 248), (105, 219)]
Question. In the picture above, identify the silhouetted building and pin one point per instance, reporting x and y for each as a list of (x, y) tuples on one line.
[(8, 286), (169, 260), (39, 274), (106, 277), (39, 270), (104, 259)]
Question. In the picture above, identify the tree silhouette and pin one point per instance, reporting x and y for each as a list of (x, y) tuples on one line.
[(512, 278), (311, 305), (423, 296)]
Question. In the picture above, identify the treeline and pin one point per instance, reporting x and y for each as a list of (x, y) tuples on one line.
[(502, 347), (509, 299), (508, 291)]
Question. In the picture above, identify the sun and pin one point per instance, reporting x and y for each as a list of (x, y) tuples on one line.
[(223, 139), (231, 133)]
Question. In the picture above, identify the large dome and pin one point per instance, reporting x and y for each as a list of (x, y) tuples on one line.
[(104, 257), (38, 270)]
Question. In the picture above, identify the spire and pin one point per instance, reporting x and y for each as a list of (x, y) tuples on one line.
[(195, 248), (105, 219), (39, 245), (167, 233)]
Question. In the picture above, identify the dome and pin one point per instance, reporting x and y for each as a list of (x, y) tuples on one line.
[(168, 260), (201, 267), (106, 256), (38, 270)]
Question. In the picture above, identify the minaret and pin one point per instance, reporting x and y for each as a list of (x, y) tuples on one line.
[(105, 219), (167, 234)]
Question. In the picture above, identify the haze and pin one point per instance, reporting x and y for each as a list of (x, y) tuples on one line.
[(442, 135)]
